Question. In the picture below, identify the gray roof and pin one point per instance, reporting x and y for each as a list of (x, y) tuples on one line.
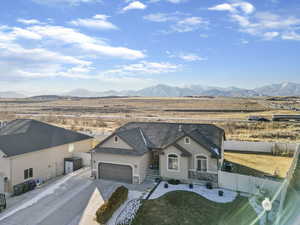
[(25, 135), (133, 137), (143, 136)]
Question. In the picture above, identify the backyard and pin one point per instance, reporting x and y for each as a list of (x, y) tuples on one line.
[(258, 164), (187, 208)]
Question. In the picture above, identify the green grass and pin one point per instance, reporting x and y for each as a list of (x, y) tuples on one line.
[(188, 208)]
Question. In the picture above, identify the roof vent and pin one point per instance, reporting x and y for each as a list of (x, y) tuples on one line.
[(3, 123), (180, 128)]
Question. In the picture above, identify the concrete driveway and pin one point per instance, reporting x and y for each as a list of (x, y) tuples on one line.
[(60, 203)]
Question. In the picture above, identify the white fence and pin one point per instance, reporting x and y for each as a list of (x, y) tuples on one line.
[(261, 147), (248, 184)]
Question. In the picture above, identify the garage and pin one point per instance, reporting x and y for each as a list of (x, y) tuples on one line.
[(121, 173)]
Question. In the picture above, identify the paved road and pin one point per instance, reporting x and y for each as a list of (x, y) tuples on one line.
[(62, 207)]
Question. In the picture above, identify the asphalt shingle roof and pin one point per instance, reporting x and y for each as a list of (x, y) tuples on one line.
[(25, 135), (142, 136)]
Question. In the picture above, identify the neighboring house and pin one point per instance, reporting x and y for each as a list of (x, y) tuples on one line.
[(30, 149), (188, 152)]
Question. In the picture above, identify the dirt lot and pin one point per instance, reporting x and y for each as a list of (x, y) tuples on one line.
[(105, 114), (259, 165)]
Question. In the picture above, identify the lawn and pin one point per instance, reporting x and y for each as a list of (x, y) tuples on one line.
[(187, 208), (259, 165)]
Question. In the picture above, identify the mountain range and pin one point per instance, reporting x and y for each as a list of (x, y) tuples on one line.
[(162, 90)]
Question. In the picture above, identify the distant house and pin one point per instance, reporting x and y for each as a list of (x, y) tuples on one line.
[(188, 152), (30, 149)]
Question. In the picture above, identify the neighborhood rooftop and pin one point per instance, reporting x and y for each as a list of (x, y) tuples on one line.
[(22, 136)]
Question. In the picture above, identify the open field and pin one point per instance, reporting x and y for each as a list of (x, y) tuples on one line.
[(105, 114), (259, 165), (181, 207)]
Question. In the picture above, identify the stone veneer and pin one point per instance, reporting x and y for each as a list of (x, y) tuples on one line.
[(212, 177)]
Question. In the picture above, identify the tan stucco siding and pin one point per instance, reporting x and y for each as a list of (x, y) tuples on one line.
[(110, 143), (139, 164), (4, 165), (4, 172), (182, 173), (47, 163), (195, 149)]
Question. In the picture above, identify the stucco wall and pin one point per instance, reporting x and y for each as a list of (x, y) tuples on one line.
[(144, 165), (110, 143), (47, 163), (5, 170), (182, 173), (195, 149), (1, 183), (137, 163)]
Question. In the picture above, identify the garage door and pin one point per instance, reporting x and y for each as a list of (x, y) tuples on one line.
[(121, 173)]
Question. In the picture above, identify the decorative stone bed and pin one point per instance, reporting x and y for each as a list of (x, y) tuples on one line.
[(210, 194)]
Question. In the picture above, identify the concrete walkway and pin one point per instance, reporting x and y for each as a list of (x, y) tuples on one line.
[(88, 217)]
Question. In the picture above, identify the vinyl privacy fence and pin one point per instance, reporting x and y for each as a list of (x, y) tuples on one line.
[(248, 184)]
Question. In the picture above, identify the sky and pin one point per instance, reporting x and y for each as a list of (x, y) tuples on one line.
[(51, 46)]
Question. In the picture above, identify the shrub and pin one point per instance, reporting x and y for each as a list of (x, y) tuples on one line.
[(174, 182), (209, 185), (106, 210)]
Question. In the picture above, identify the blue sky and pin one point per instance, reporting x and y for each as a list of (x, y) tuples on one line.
[(58, 45)]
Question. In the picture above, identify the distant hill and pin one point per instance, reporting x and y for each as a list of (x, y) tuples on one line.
[(162, 90), (11, 94), (282, 89)]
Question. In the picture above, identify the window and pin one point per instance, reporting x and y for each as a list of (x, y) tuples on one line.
[(173, 162), (28, 173), (116, 139), (187, 140), (201, 163), (71, 147)]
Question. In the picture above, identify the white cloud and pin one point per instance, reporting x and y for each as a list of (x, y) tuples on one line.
[(245, 7), (84, 42), (161, 17), (134, 5), (70, 2), (144, 67), (171, 1), (291, 36), (191, 57), (97, 22), (262, 24), (270, 35), (189, 24), (29, 21), (17, 62), (204, 35)]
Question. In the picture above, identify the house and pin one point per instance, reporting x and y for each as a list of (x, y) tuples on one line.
[(30, 149), (187, 152)]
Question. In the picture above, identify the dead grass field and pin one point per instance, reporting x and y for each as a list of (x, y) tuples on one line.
[(106, 114), (259, 165)]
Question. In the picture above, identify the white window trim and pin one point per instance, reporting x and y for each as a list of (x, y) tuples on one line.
[(178, 158), (196, 163), (187, 143)]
